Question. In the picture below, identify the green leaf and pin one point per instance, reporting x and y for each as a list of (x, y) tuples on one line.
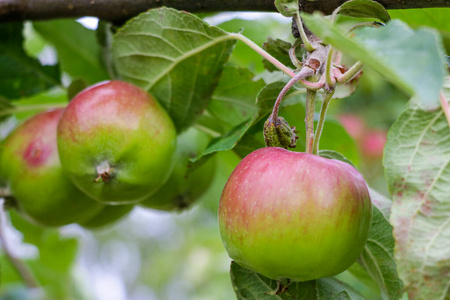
[(249, 285), (77, 48), (233, 101), (378, 256), (431, 17), (390, 51), (55, 252), (381, 202), (334, 136), (417, 170), (364, 9), (287, 8), (280, 50), (335, 155), (265, 101), (21, 75), (175, 56), (5, 108), (75, 87), (29, 106)]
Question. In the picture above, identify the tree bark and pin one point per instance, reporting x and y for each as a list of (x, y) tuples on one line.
[(119, 10)]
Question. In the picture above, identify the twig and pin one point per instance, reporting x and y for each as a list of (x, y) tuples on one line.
[(120, 10), (263, 53), (18, 265), (309, 120), (323, 112), (304, 72), (306, 43)]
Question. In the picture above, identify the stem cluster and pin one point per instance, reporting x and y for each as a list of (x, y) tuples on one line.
[(319, 70)]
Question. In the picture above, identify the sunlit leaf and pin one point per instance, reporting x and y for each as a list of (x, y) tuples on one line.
[(175, 56), (233, 101), (417, 169), (410, 59), (364, 9)]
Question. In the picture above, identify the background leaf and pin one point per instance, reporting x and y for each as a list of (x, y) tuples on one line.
[(287, 8), (256, 30), (410, 59), (77, 48), (265, 101), (21, 75), (335, 155), (364, 9), (431, 17), (280, 50), (378, 256), (417, 169), (175, 56), (249, 285), (233, 101)]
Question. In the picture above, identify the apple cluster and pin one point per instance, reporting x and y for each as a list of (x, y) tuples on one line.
[(111, 148)]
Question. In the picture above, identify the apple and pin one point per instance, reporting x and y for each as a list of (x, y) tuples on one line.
[(353, 124), (116, 143), (30, 165), (373, 143), (184, 187), (294, 215), (107, 216)]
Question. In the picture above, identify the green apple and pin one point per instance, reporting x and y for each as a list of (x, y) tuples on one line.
[(30, 165), (294, 215), (184, 186), (107, 216), (116, 143)]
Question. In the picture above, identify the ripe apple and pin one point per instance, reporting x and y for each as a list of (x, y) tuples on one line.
[(294, 215), (116, 142), (107, 216), (373, 143), (31, 167), (184, 187)]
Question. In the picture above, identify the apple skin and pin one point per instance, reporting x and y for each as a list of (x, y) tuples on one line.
[(107, 216), (119, 125), (31, 167), (294, 215), (183, 187)]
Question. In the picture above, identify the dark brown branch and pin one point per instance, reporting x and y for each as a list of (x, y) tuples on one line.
[(117, 10)]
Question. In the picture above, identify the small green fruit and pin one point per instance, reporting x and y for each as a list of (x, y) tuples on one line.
[(116, 143), (107, 216), (31, 167), (184, 186)]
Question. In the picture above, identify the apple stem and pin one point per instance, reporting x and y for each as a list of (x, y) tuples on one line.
[(17, 264), (104, 172), (329, 79), (309, 120), (323, 112), (306, 43), (352, 72), (262, 52), (304, 73)]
